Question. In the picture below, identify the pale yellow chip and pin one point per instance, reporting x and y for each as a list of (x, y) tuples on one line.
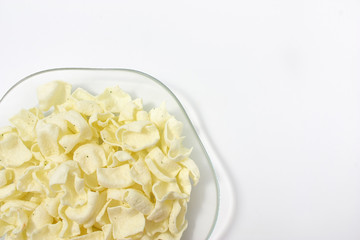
[(53, 93), (15, 219), (52, 205), (118, 177), (98, 235), (81, 128), (172, 130), (141, 175), (25, 122), (194, 170), (47, 138), (66, 178), (159, 116), (162, 167), (161, 211), (90, 157), (86, 214), (8, 191), (5, 227), (69, 228), (18, 204), (138, 201), (167, 191), (183, 179), (102, 218), (6, 176), (113, 99), (125, 221), (49, 231), (81, 94), (87, 107), (167, 236), (107, 229), (83, 213), (92, 183), (138, 135), (177, 152), (13, 152), (129, 110), (38, 219), (108, 134), (142, 116), (156, 227), (101, 120), (27, 182), (177, 221)]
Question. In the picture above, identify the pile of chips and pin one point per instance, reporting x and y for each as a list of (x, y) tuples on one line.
[(93, 167)]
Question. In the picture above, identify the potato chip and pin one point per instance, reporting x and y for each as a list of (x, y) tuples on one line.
[(66, 178), (159, 116), (107, 229), (20, 204), (125, 221), (138, 201), (52, 205), (161, 211), (49, 231), (92, 183), (13, 152), (121, 157), (167, 191), (177, 217), (177, 152), (27, 183), (47, 138), (162, 167), (5, 227), (101, 120), (138, 135), (156, 227), (98, 235), (82, 131), (6, 176), (142, 116), (69, 228), (87, 107), (108, 135), (113, 99), (183, 180), (81, 94), (25, 122), (172, 130), (39, 218), (53, 93), (15, 219), (129, 110), (118, 177), (90, 157), (8, 191), (102, 218), (82, 214), (194, 170), (141, 175)]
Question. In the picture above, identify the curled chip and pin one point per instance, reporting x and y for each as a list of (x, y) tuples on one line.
[(93, 167)]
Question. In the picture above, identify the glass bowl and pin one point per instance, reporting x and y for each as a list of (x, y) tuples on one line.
[(204, 203)]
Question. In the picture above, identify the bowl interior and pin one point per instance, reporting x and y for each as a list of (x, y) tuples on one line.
[(204, 202)]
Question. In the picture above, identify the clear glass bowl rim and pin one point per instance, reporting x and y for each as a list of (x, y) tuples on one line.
[(158, 82)]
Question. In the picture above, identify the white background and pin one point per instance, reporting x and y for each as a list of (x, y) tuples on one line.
[(276, 84)]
